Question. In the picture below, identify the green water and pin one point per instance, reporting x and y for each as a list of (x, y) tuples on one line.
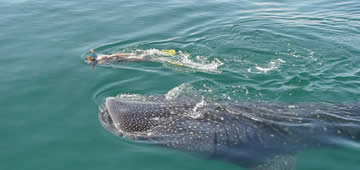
[(282, 51)]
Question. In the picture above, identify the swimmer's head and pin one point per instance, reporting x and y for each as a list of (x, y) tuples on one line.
[(91, 58)]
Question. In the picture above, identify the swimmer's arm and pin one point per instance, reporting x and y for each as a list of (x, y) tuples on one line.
[(128, 56), (120, 55)]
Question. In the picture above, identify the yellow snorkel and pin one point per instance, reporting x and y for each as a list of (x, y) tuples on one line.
[(172, 52), (169, 52)]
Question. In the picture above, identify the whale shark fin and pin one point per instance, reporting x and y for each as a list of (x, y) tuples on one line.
[(279, 162)]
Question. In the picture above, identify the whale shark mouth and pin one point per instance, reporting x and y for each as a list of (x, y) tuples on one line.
[(107, 121), (116, 116)]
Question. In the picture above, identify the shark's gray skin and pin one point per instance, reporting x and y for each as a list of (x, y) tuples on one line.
[(253, 135)]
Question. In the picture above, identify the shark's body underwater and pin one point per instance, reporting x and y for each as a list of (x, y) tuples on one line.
[(253, 135)]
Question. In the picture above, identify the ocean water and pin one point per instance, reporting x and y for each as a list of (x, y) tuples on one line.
[(231, 50)]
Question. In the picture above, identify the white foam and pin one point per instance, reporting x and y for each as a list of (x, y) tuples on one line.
[(195, 114), (200, 62), (271, 66), (177, 91), (302, 53)]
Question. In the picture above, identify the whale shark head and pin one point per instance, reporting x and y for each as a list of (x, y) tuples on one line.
[(123, 117), (136, 118)]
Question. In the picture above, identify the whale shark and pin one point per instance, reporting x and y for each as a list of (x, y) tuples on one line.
[(254, 135)]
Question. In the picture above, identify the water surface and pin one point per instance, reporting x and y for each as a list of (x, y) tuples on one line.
[(284, 51)]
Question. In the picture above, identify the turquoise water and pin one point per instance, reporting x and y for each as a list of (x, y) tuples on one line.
[(283, 51)]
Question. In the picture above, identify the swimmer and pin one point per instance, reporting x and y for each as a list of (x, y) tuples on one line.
[(123, 57), (117, 57)]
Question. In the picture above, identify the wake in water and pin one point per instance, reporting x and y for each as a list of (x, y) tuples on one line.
[(177, 60)]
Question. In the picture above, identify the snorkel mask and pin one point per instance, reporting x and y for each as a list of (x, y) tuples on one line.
[(93, 54), (92, 58)]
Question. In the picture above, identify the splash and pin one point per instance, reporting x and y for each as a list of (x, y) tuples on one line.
[(178, 91), (271, 66), (184, 91), (182, 61), (196, 113), (200, 62), (302, 54)]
